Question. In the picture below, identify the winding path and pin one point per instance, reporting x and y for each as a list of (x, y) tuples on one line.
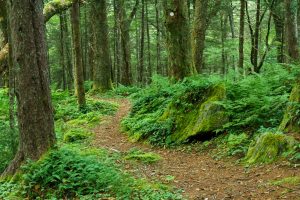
[(200, 176)]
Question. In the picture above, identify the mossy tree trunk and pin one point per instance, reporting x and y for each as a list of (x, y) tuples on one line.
[(178, 38), (35, 114), (290, 122), (78, 69), (103, 66)]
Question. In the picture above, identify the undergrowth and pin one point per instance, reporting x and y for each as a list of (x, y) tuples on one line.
[(252, 104), (74, 170)]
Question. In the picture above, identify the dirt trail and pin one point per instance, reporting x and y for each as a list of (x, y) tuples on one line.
[(200, 176)]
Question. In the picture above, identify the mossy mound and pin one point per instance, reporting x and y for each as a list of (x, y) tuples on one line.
[(202, 119), (290, 122), (269, 147)]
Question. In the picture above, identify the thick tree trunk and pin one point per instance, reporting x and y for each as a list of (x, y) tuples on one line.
[(35, 116), (178, 39), (102, 71), (78, 70)]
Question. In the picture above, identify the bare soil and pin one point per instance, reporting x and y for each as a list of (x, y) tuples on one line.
[(198, 174)]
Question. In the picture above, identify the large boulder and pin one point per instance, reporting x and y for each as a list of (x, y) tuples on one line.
[(205, 117)]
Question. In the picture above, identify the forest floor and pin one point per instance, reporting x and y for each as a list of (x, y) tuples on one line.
[(198, 174)]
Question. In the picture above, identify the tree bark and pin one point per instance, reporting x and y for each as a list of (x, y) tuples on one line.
[(62, 52), (149, 68), (178, 39), (199, 32), (142, 45), (125, 22), (242, 34), (102, 72), (78, 70), (291, 31), (159, 69), (35, 115), (290, 122)]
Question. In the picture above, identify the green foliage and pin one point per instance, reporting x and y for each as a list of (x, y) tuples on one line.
[(258, 100), (8, 137), (146, 120), (67, 173), (237, 144), (139, 155), (253, 102), (123, 91), (66, 108)]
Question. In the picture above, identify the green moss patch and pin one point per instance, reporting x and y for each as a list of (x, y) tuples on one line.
[(291, 181), (269, 147), (139, 155)]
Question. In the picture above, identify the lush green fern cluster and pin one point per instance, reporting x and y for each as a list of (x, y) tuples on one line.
[(69, 173)]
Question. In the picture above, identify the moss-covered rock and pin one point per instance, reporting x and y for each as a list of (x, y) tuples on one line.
[(203, 119), (291, 119), (269, 147)]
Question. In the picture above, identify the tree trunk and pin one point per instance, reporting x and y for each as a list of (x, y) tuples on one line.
[(62, 52), (126, 74), (142, 45), (199, 32), (149, 68), (102, 72), (178, 39), (291, 31), (242, 34), (159, 69), (78, 70), (35, 115), (290, 122)]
